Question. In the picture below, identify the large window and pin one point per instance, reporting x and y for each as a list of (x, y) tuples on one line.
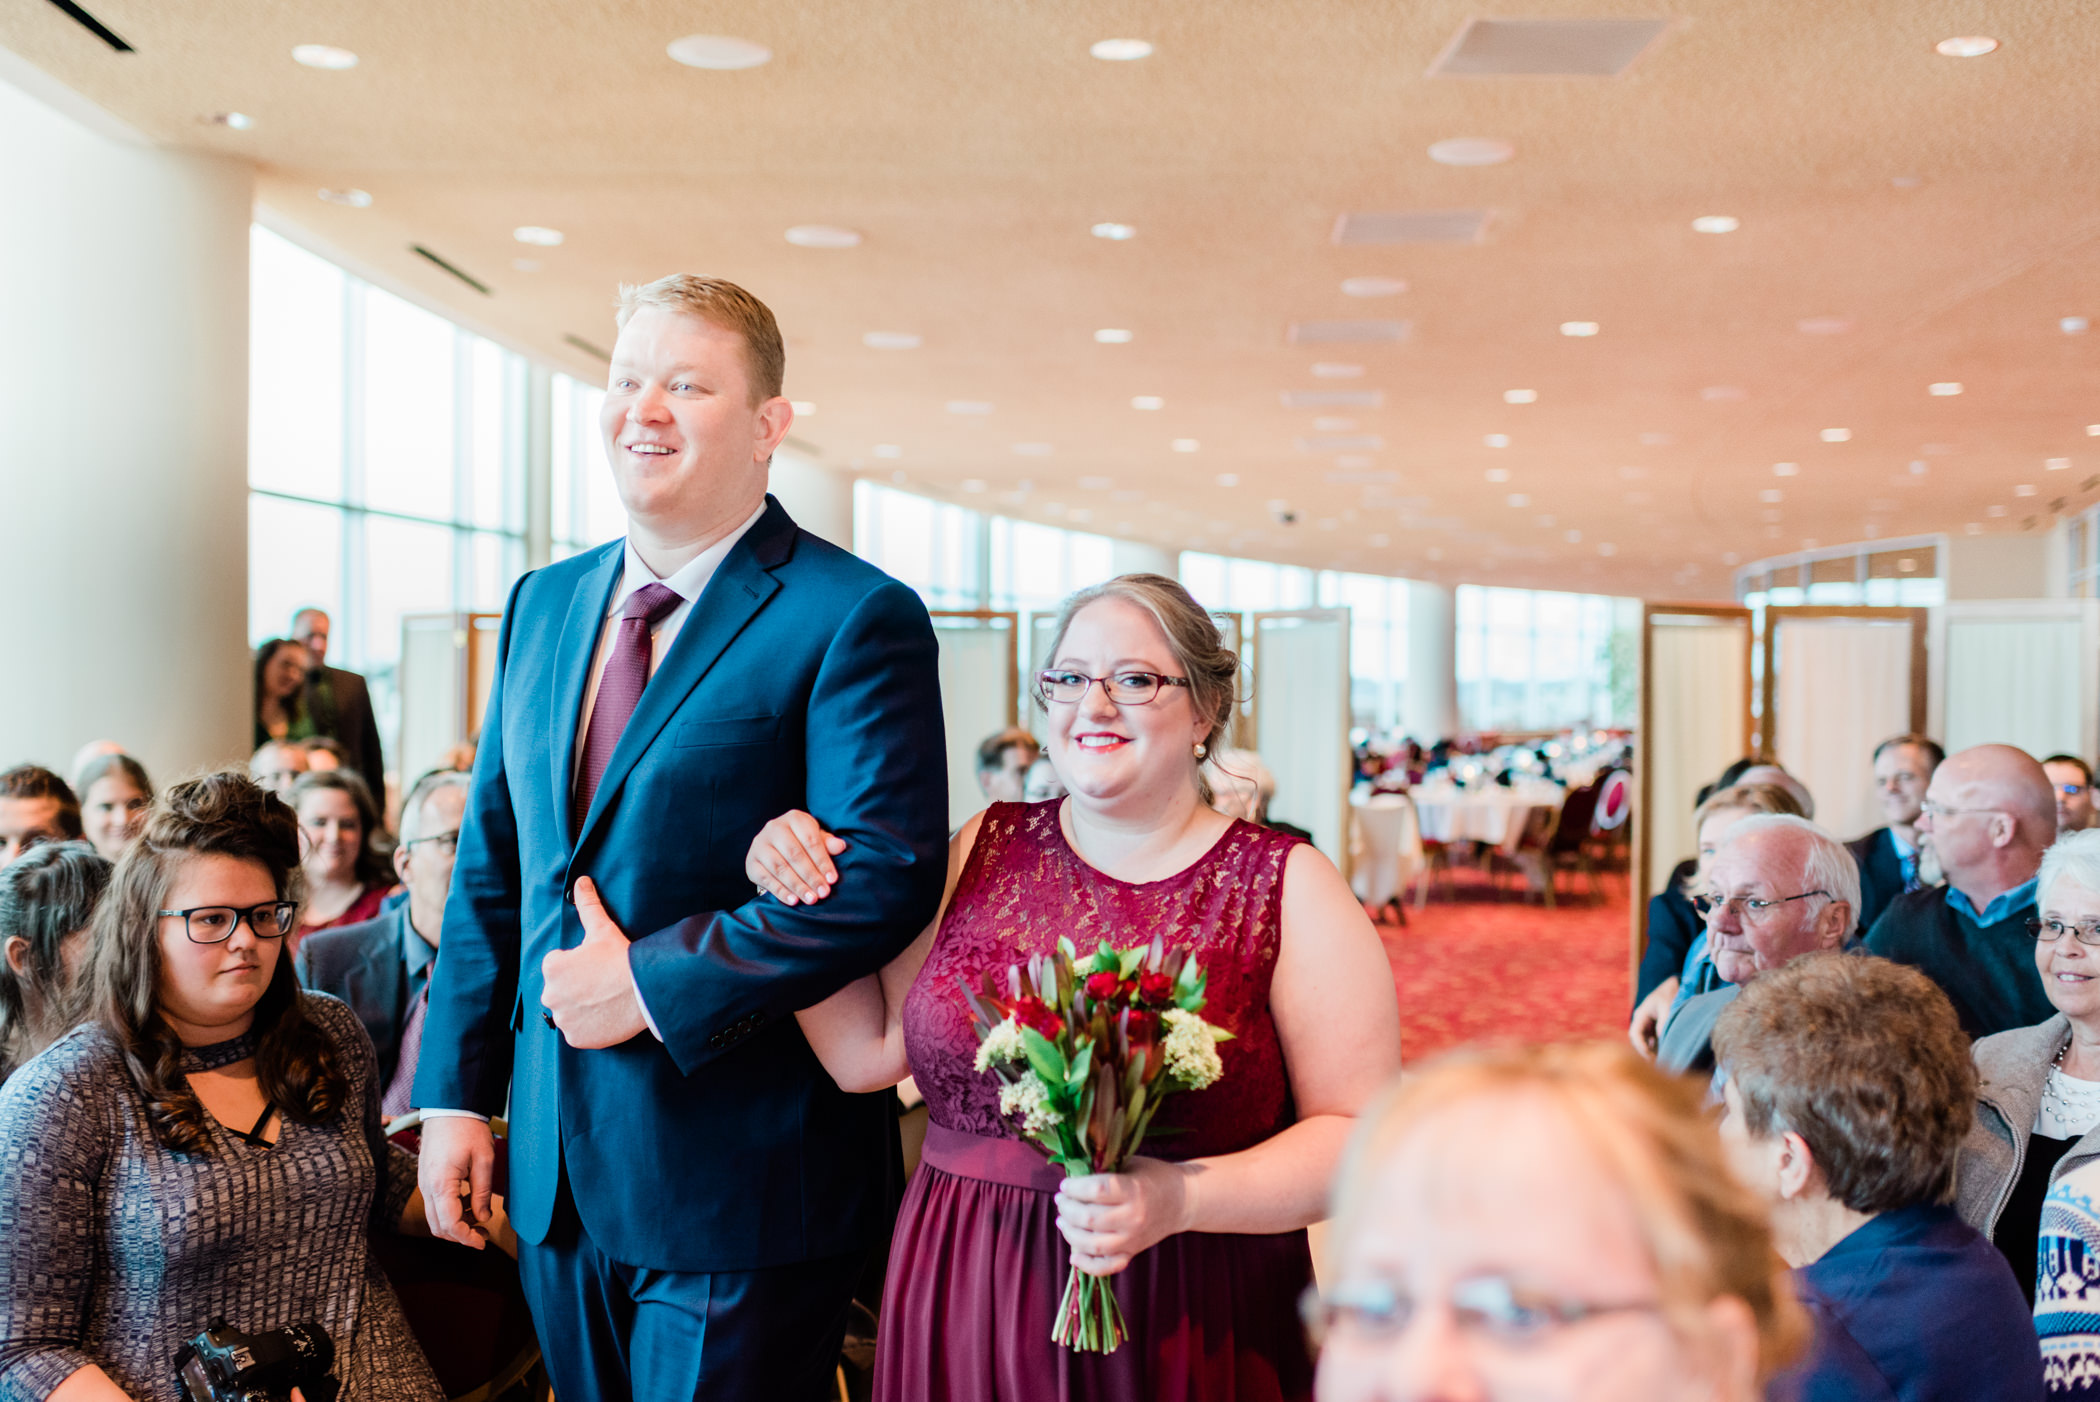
[(962, 559), (386, 462), (1539, 660), (586, 508)]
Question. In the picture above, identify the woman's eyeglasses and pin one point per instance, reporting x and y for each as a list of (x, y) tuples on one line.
[(2051, 930), (1488, 1306), (215, 924), (1124, 688)]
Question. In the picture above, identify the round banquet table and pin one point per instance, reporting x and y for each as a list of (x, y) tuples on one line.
[(1491, 814)]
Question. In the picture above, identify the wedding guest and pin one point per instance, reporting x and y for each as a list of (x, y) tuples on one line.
[(2038, 1097), (86, 755), (339, 701), (2072, 778), (47, 897), (2067, 1286), (114, 796), (1889, 856), (207, 1144), (1989, 815), (1002, 764), (36, 806), (277, 766), (281, 666), (1676, 965), (1043, 782), (1651, 1277), (1848, 1089), (324, 753), (346, 878), (1204, 1234), (1776, 774)]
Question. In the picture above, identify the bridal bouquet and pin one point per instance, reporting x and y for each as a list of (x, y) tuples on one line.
[(1086, 1050)]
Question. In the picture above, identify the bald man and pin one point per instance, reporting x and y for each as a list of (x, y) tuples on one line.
[(1990, 813)]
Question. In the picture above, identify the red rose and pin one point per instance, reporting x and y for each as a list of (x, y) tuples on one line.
[(1031, 1013), (1102, 987), (1155, 988)]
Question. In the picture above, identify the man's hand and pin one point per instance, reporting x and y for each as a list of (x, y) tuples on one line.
[(454, 1169), (1645, 1031), (589, 990)]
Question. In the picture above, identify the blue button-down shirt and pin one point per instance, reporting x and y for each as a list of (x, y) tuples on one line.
[(2001, 906)]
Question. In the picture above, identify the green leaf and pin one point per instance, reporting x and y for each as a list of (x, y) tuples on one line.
[(1128, 963), (1081, 1065), (1064, 942), (1219, 1034), (1043, 1057)]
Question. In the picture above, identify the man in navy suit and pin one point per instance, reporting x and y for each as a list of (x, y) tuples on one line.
[(694, 1195)]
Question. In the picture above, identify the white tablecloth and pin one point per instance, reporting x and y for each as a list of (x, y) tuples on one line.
[(1493, 815), (1386, 847)]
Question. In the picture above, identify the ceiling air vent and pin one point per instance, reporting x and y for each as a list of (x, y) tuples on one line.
[(1342, 443), (1546, 48), (93, 26), (1413, 226), (432, 258), (595, 352), (1328, 333), (1333, 398)]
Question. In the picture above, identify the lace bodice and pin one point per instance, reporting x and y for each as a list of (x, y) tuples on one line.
[(1023, 887)]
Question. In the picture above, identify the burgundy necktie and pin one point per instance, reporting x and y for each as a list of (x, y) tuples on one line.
[(394, 1103), (619, 687)]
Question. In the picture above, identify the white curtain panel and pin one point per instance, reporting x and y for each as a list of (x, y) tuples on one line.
[(973, 704), (1301, 681), (1698, 682), (2015, 681), (1843, 686)]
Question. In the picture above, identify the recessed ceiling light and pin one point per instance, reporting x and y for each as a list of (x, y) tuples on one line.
[(969, 408), (1471, 151), (1518, 499), (1717, 223), (1120, 50), (1032, 450), (1836, 435), (1786, 469), (1944, 389), (1185, 445), (1520, 396), (1633, 474), (1966, 46), (900, 478), (1113, 336), (538, 236), (525, 265), (973, 484), (1147, 401), (1095, 484), (1435, 552), (2026, 489), (890, 340), (1353, 461), (1497, 474), (1227, 479), (888, 450), (1607, 548), (2057, 464), (2092, 430), (803, 408), (236, 121), (1823, 325), (2073, 325), (1919, 467), (1723, 394), (324, 56), (1544, 522), (1973, 529), (1335, 370), (718, 51), (1731, 558), (823, 236), (1115, 232), (1573, 537), (1578, 328), (1373, 286), (349, 199), (1381, 540), (1994, 511), (1496, 440), (1906, 182), (1771, 494)]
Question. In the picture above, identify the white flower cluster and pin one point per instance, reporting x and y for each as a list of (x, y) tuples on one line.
[(1190, 1049), (1000, 1045), (1030, 1099)]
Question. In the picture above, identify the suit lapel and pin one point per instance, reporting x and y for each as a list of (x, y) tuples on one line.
[(732, 598), (572, 672)]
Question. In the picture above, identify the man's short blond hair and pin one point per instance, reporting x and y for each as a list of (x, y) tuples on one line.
[(723, 304)]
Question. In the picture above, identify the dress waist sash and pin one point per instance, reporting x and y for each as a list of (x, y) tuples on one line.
[(1005, 1161)]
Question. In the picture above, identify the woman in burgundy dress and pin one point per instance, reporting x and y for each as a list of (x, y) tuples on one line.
[(1205, 1235)]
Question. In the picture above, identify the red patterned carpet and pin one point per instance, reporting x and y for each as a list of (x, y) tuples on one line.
[(1476, 969)]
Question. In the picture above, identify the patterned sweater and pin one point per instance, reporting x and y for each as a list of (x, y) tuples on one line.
[(114, 1250), (2067, 1285)]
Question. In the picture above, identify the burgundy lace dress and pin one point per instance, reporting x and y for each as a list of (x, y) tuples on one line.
[(977, 1263)]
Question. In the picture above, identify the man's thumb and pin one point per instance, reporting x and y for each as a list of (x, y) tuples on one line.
[(596, 923)]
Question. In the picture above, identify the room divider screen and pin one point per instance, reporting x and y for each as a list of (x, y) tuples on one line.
[(1300, 721), (2022, 672), (980, 693), (1837, 682)]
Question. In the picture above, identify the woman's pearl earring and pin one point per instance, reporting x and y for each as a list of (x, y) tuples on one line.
[(1201, 751)]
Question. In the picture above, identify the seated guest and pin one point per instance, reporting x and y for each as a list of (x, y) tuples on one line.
[(2067, 1286), (280, 690), (1848, 1090), (1002, 765), (346, 879), (323, 754), (1042, 783), (277, 766), (47, 897), (1774, 774), (86, 755), (2072, 778), (1779, 888), (1676, 964), (2038, 1101), (207, 1144), (1651, 1277), (114, 795), (339, 701), (1888, 856), (381, 967), (35, 806), (1989, 815)]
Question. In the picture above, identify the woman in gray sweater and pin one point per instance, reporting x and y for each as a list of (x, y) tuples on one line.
[(207, 1143)]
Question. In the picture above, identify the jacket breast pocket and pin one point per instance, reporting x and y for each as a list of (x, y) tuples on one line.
[(728, 730)]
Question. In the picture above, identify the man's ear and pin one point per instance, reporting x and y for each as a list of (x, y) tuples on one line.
[(1797, 1166), (1837, 918), (401, 861)]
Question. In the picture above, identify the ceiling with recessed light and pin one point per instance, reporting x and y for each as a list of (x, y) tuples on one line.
[(1766, 273)]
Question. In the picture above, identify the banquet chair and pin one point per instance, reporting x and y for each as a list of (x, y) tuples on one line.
[(1563, 842)]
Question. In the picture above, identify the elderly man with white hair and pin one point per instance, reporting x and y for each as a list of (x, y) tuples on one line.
[(1779, 887)]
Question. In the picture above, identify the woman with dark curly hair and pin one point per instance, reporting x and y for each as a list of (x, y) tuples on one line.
[(207, 1143)]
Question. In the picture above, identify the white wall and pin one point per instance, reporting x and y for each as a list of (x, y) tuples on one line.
[(1429, 712), (123, 444), (820, 500)]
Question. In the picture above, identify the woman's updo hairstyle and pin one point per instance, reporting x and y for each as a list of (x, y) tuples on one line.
[(1212, 669), (224, 814)]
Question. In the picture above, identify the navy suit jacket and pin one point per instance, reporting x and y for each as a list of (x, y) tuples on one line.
[(1880, 874), (802, 678), (363, 965)]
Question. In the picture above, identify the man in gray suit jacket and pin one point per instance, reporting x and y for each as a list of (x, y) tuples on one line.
[(340, 703)]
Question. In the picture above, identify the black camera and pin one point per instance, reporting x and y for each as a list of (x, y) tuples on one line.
[(225, 1365)]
